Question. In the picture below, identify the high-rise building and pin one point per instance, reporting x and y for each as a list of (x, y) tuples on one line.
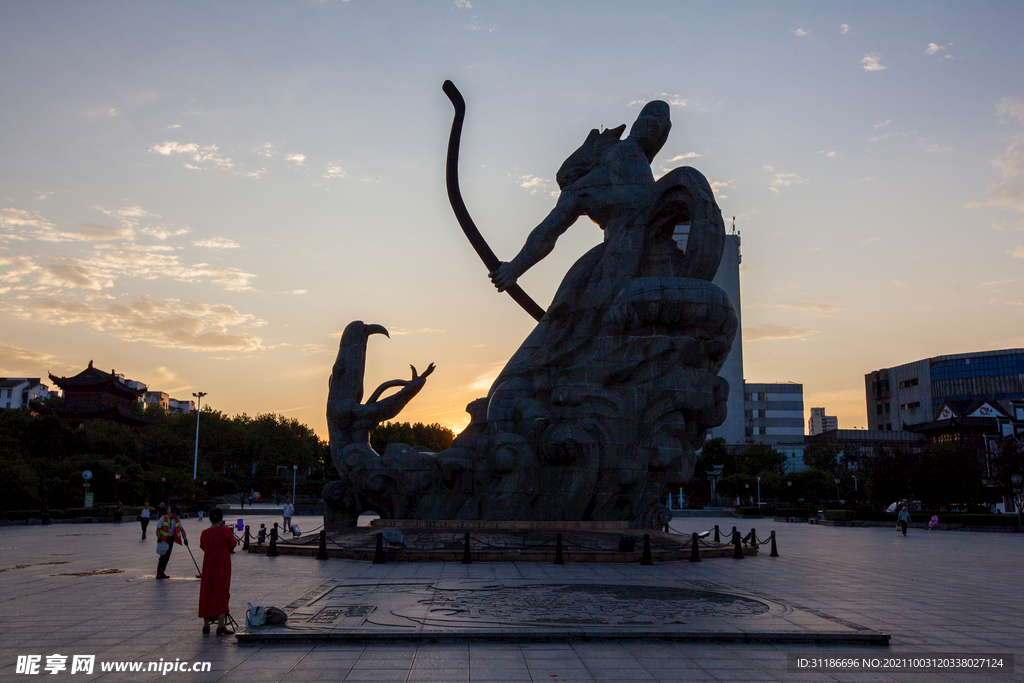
[(820, 422), (728, 278), (914, 393)]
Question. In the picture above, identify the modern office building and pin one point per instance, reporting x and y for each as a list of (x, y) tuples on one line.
[(769, 414), (728, 278), (774, 416), (819, 422), (915, 393)]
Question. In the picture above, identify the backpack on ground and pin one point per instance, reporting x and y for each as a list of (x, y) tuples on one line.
[(276, 617), (255, 616)]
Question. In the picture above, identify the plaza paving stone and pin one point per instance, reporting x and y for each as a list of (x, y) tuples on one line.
[(942, 592)]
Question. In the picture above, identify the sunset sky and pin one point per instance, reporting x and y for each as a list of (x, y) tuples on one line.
[(202, 195)]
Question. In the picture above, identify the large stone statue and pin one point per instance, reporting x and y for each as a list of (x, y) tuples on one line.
[(599, 412)]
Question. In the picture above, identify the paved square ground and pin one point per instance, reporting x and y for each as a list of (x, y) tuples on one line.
[(935, 592)]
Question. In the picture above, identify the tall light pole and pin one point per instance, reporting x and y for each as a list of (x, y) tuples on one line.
[(199, 403), (837, 490), (759, 492), (117, 480), (295, 471)]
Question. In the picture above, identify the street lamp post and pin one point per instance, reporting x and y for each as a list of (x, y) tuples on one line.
[(295, 471), (837, 490), (747, 486), (163, 489), (199, 403), (1018, 498), (117, 480), (759, 492)]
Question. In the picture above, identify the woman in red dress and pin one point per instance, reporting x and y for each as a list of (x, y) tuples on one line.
[(215, 587)]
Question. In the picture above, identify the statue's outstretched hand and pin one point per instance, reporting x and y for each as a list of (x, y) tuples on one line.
[(504, 276), (415, 376)]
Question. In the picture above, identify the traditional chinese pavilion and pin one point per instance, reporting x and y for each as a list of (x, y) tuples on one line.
[(95, 395)]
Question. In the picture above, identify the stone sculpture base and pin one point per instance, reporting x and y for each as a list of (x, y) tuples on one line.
[(375, 609), (502, 541)]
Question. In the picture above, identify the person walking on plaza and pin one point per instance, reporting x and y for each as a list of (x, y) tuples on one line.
[(144, 519), (215, 587), (287, 512), (169, 531), (904, 519), (118, 512)]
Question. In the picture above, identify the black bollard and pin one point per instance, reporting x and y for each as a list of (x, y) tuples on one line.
[(272, 550), (378, 554), (245, 539), (753, 537), (737, 548), (775, 551), (321, 553), (733, 531), (646, 558), (718, 539), (694, 548), (558, 549), (666, 528), (466, 559)]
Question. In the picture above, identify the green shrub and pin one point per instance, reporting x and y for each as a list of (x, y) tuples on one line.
[(803, 513), (988, 520), (839, 515), (749, 510)]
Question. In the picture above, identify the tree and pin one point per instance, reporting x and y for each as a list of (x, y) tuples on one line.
[(433, 437), (822, 456)]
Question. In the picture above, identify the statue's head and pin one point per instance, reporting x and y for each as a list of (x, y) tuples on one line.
[(650, 131)]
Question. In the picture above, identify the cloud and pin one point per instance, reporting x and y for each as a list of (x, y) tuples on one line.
[(209, 156), (265, 150), (29, 225), (168, 323), (872, 239), (717, 187), (1010, 107), (828, 155), (296, 291), (871, 63), (13, 269), (15, 360), (1018, 252), (174, 125), (774, 331), (784, 180), (683, 157), (995, 283), (1009, 193), (297, 158), (129, 216), (883, 124), (844, 29), (463, 4), (900, 283), (933, 48), (674, 100), (1011, 162), (163, 234), (801, 32), (812, 308), (335, 172), (932, 148), (65, 272), (535, 185), (217, 243)]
